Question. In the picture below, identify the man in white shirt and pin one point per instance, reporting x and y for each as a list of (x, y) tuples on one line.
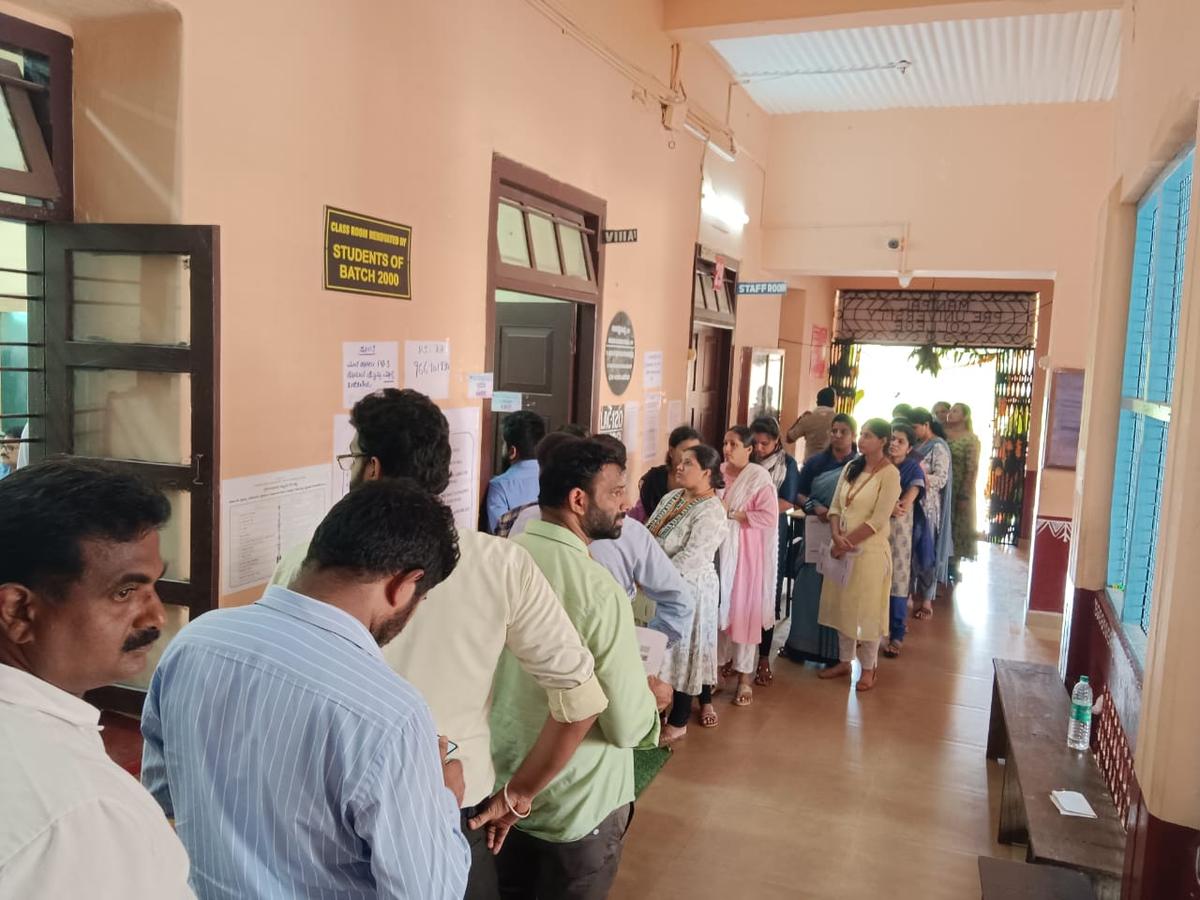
[(495, 601), (78, 610)]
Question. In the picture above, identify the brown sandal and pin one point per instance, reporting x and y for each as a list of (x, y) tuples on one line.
[(892, 650), (864, 685), (708, 719), (744, 696), (764, 676)]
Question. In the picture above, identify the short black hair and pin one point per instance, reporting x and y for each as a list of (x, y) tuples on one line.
[(620, 454), (826, 396), (51, 507), (847, 420), (386, 528), (407, 433), (767, 425), (574, 464), (522, 431), (14, 432), (573, 430), (547, 444), (681, 433)]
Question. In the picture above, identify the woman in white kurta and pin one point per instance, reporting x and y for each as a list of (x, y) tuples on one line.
[(689, 523), (860, 519)]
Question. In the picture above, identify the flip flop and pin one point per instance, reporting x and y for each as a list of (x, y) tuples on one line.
[(764, 676), (745, 695), (922, 612), (708, 719)]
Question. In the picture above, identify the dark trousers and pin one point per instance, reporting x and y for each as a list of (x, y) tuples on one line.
[(764, 646), (899, 617), (681, 709), (481, 882), (533, 869)]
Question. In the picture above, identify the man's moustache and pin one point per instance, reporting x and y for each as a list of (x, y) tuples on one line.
[(141, 639)]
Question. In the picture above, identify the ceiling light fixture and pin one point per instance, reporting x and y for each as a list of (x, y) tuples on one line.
[(725, 209), (900, 65)]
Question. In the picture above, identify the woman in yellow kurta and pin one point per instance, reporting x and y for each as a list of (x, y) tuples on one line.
[(860, 519)]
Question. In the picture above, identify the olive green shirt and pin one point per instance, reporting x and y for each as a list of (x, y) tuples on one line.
[(599, 777)]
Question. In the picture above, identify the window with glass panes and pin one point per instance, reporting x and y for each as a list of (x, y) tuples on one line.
[(1146, 390)]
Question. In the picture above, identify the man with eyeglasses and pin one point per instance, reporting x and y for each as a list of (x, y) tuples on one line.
[(496, 600)]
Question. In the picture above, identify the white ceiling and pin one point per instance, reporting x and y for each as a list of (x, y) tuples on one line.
[(1060, 58)]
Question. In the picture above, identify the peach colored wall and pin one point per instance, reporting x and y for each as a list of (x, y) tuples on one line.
[(393, 110), (809, 303), (1005, 192)]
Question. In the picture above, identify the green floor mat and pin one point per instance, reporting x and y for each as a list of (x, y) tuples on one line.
[(646, 765)]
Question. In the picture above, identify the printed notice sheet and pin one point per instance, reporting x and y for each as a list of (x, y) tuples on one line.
[(266, 515), (652, 369), (368, 366), (674, 414), (818, 536), (462, 493), (653, 410)]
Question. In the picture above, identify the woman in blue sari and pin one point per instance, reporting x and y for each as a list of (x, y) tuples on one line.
[(809, 641), (935, 457)]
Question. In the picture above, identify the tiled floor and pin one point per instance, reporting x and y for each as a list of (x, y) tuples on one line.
[(817, 792)]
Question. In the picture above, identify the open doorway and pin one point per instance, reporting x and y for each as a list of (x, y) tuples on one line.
[(888, 376)]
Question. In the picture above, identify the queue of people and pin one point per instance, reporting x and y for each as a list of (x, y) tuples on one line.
[(418, 710)]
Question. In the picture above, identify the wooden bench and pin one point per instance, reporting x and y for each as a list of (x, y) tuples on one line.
[(1007, 879), (1028, 729)]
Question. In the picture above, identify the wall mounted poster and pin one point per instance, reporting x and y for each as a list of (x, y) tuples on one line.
[(612, 421), (364, 255), (652, 369), (427, 368), (619, 353), (653, 414), (1066, 414), (462, 493)]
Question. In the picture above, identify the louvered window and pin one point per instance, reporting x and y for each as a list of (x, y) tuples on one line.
[(1146, 390)]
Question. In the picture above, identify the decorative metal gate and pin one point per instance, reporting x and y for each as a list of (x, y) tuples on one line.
[(1012, 414)]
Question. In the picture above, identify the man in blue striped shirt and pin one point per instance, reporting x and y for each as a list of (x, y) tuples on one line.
[(295, 762)]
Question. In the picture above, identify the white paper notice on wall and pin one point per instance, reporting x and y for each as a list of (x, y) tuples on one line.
[(632, 435), (479, 385), (427, 368), (368, 366), (506, 401), (674, 414), (652, 369), (462, 493), (652, 427), (339, 478), (264, 516)]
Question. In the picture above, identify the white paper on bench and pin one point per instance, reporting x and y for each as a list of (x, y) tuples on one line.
[(1072, 803)]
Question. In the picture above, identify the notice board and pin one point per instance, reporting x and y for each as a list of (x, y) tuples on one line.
[(364, 255)]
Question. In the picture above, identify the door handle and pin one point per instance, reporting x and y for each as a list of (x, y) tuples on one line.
[(196, 462)]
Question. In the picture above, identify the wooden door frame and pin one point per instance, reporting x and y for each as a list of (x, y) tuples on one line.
[(509, 178), (704, 260)]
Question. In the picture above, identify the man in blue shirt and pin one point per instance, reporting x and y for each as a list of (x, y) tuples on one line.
[(294, 761), (517, 485)]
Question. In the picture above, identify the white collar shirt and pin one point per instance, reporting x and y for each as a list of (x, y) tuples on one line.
[(74, 823)]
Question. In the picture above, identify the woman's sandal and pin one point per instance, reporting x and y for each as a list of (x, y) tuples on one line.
[(764, 676), (708, 719), (892, 650), (923, 612), (837, 671), (744, 696), (666, 740), (865, 685)]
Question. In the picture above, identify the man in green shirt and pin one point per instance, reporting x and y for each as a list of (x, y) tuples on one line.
[(570, 844)]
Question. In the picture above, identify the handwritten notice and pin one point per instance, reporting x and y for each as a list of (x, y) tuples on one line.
[(479, 385), (675, 414), (462, 493), (266, 515), (427, 368), (339, 478), (368, 366), (506, 401), (653, 425), (652, 369)]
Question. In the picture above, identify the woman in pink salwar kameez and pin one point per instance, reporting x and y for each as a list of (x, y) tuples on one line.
[(748, 560)]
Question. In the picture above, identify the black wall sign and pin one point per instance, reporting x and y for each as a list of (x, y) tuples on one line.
[(620, 235), (366, 256), (618, 353)]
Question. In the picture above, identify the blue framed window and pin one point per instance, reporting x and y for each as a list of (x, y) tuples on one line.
[(1147, 384)]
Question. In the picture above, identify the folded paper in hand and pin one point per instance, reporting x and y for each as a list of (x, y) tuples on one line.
[(817, 538), (1072, 803), (653, 645), (838, 570)]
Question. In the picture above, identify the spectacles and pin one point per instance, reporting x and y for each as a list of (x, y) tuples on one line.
[(346, 460)]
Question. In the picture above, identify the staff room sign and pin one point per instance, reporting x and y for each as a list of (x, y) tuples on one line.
[(366, 256)]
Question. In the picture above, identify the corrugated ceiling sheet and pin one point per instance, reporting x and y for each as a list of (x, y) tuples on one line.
[(1060, 58)]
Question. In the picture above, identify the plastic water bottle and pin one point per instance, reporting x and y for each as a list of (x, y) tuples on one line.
[(1079, 727)]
